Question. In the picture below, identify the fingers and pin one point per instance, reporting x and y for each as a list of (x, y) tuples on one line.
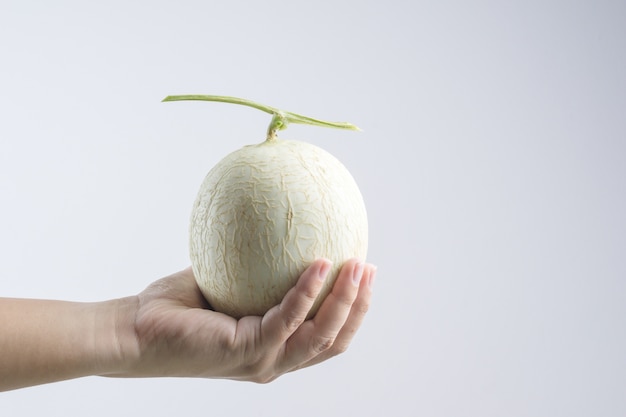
[(334, 312), (334, 325), (281, 321), (354, 320)]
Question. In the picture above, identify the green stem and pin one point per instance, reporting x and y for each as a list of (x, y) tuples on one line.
[(280, 118)]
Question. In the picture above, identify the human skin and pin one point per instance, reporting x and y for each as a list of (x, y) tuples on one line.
[(168, 330)]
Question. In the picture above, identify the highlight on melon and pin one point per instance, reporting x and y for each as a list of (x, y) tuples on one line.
[(265, 212)]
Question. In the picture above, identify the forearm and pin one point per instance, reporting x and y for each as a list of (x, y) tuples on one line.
[(44, 341)]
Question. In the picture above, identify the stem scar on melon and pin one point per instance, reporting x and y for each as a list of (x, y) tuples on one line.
[(265, 212)]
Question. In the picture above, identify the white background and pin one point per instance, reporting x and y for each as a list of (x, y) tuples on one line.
[(491, 162)]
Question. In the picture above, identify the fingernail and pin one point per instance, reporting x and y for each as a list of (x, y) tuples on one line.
[(324, 269), (370, 281), (357, 273)]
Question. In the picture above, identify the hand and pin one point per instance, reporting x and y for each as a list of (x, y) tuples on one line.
[(172, 333)]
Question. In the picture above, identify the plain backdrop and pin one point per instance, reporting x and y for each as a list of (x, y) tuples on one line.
[(492, 163)]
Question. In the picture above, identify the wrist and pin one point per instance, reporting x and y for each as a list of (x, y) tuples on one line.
[(116, 341)]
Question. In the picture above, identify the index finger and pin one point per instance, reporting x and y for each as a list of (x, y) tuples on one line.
[(281, 321)]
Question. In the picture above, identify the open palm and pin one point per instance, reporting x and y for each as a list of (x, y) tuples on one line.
[(178, 335)]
